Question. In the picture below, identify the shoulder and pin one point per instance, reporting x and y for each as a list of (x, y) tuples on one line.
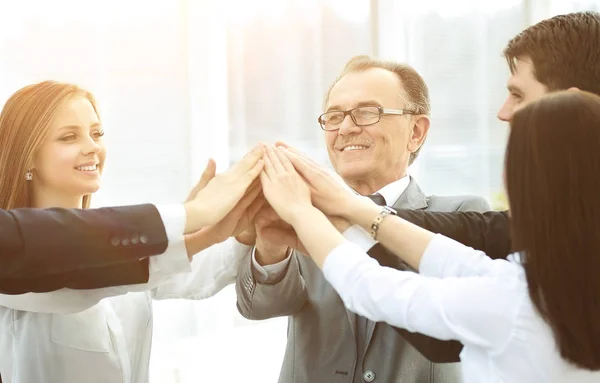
[(458, 203)]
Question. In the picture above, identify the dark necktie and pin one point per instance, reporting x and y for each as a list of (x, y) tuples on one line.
[(378, 199)]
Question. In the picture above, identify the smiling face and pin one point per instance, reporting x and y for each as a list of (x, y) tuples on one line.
[(377, 154), (69, 162)]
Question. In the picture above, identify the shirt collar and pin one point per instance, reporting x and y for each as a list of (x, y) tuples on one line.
[(391, 192)]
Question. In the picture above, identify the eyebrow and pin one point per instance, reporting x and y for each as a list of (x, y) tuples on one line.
[(74, 127), (514, 89), (357, 105)]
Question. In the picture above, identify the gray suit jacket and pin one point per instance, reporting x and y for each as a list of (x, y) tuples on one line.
[(321, 344)]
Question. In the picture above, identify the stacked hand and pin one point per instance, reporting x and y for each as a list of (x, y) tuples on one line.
[(227, 197), (266, 193)]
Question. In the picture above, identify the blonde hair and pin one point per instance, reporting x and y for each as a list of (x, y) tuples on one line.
[(415, 95), (24, 123)]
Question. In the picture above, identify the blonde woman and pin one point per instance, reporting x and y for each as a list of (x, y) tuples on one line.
[(53, 156)]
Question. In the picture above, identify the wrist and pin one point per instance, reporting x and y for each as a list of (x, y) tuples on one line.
[(364, 212), (271, 255), (193, 217)]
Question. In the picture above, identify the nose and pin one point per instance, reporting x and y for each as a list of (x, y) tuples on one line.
[(90, 146), (505, 113), (347, 126)]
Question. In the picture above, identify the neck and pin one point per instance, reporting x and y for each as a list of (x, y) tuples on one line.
[(372, 186), (46, 199)]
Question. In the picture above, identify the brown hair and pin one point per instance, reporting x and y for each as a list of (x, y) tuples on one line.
[(416, 93), (564, 50), (552, 168), (24, 123)]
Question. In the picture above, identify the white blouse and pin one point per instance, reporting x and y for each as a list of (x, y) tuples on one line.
[(105, 335), (459, 294)]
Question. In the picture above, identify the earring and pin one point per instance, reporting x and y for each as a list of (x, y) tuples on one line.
[(29, 175)]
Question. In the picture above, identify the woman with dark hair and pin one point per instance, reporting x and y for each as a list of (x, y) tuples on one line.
[(533, 318)]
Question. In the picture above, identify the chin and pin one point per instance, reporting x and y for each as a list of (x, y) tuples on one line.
[(354, 172), (89, 188)]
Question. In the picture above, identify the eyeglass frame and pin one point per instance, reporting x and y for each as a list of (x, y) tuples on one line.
[(382, 112)]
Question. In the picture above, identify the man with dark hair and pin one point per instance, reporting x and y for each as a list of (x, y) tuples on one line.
[(559, 53)]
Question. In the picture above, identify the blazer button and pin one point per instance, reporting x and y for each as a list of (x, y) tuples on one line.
[(115, 241), (125, 241), (143, 238), (369, 376), (135, 239)]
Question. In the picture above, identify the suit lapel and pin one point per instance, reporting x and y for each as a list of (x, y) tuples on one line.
[(413, 198)]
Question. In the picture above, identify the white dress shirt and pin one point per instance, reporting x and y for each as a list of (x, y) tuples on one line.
[(105, 335), (391, 192), (459, 294)]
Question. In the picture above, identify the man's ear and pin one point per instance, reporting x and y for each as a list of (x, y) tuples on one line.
[(418, 134), (573, 89)]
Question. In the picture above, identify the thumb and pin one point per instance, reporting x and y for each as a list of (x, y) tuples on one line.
[(207, 175)]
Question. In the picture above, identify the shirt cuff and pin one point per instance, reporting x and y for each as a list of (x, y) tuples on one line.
[(360, 237), (175, 258), (269, 273)]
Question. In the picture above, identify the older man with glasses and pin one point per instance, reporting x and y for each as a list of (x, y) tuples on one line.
[(388, 108)]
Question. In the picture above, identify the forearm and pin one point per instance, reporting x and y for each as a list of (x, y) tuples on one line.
[(317, 234), (402, 238), (199, 241)]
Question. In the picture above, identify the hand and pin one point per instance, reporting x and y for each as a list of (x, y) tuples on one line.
[(329, 193), (283, 187), (274, 237), (207, 175), (240, 218), (217, 197)]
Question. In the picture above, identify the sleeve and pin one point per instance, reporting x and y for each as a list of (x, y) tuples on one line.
[(474, 310), (270, 274), (444, 257), (211, 270), (488, 232), (45, 242), (258, 301), (174, 260)]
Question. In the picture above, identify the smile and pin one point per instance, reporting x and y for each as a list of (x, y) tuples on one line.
[(354, 147), (91, 168)]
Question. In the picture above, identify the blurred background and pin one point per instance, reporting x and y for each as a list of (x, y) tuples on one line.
[(179, 81)]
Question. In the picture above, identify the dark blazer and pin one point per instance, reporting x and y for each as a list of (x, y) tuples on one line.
[(45, 250), (488, 232)]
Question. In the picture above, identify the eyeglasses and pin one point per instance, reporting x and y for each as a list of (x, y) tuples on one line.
[(361, 116)]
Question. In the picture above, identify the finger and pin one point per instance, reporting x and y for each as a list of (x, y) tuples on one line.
[(281, 143), (269, 167), (277, 165), (287, 165), (249, 161), (253, 173), (207, 175), (251, 193), (256, 206), (264, 178), (304, 169)]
